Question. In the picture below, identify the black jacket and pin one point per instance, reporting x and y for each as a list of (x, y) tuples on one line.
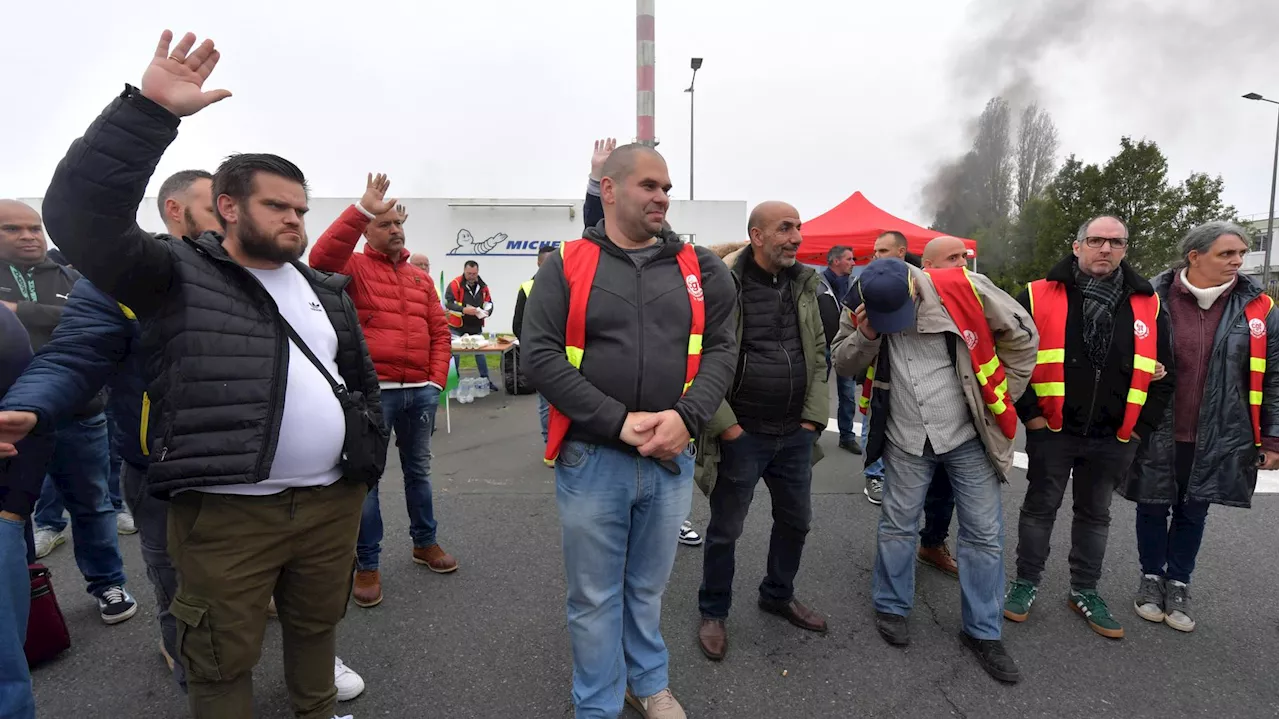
[(637, 340), (1225, 469), (770, 384), (1095, 400), (22, 475), (216, 358), (40, 316)]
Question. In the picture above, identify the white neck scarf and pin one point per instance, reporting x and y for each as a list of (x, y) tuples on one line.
[(1207, 296)]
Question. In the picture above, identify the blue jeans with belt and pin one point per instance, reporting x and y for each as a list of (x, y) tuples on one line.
[(620, 514), (16, 699)]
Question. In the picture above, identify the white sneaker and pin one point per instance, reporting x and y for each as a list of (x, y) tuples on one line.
[(335, 716), (349, 684), (47, 540), (688, 536), (124, 523)]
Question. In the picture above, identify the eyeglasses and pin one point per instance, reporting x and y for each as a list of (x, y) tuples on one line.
[(1117, 243)]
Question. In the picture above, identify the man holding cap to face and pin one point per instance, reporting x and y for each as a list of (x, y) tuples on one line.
[(951, 353)]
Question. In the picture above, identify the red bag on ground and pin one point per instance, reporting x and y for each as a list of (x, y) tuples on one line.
[(47, 634)]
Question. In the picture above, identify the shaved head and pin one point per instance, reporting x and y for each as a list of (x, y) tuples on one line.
[(944, 251), (764, 213), (774, 229), (22, 239), (622, 161)]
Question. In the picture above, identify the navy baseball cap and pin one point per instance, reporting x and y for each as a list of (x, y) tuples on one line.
[(886, 289)]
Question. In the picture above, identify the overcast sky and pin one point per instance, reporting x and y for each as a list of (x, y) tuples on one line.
[(803, 101)]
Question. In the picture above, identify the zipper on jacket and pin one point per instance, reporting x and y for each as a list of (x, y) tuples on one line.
[(790, 386), (640, 313), (1097, 377)]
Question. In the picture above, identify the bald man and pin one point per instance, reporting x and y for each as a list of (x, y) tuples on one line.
[(421, 261), (35, 288), (767, 425), (943, 252)]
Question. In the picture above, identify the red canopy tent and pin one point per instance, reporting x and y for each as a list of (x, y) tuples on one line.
[(857, 223)]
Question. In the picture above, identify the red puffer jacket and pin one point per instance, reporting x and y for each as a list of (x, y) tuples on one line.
[(399, 309)]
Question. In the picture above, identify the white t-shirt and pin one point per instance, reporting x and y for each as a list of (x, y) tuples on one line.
[(312, 428)]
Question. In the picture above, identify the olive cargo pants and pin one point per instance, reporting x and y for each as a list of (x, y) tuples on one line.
[(232, 553)]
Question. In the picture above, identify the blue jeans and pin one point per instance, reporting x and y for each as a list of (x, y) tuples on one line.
[(50, 512), (620, 515), (113, 470), (939, 503), (846, 407), (411, 413), (78, 473), (979, 548), (785, 464), (16, 699), (1169, 549), (544, 415), (876, 468)]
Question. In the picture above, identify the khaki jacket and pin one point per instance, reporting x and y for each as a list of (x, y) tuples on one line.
[(1016, 342), (817, 401)]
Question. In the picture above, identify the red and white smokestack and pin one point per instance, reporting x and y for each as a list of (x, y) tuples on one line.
[(644, 72)]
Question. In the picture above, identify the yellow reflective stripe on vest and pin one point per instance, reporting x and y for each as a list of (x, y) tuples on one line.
[(1258, 364), (871, 372), (1137, 396), (1255, 397), (128, 313), (695, 346), (1050, 389), (527, 286), (1146, 364), (986, 370), (575, 356), (1051, 356)]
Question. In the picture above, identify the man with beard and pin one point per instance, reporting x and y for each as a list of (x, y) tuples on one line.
[(36, 289), (267, 433), (630, 337), (768, 426), (409, 340)]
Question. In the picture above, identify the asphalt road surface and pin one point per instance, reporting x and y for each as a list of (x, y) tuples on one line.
[(490, 640)]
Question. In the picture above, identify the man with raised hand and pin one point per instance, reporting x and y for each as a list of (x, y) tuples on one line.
[(630, 337), (408, 338), (268, 429)]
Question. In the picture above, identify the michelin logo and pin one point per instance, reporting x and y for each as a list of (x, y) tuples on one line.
[(466, 244)]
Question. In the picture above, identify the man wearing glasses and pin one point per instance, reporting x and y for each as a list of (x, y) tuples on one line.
[(1096, 393)]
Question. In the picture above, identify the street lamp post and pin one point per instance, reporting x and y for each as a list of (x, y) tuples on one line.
[(1271, 211), (694, 63)]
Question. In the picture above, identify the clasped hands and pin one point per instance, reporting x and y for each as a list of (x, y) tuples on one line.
[(660, 435)]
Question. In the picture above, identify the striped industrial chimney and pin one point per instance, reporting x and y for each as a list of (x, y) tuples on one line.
[(644, 72)]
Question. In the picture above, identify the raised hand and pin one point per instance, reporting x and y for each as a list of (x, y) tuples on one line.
[(404, 213), (175, 81), (375, 192), (601, 153)]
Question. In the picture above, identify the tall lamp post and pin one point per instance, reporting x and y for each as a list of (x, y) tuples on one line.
[(694, 63), (1271, 212)]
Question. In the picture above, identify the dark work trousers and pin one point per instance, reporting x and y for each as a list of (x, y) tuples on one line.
[(785, 464), (939, 504), (1169, 549), (1095, 466)]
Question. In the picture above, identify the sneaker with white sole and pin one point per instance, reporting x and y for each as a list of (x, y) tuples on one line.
[(1177, 606), (116, 605), (124, 523), (874, 490), (47, 540), (688, 535), (662, 705), (335, 716), (1149, 602), (349, 684)]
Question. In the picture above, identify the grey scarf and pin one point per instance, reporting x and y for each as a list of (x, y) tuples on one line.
[(1101, 298)]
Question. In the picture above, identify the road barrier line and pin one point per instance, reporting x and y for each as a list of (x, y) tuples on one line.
[(1268, 480)]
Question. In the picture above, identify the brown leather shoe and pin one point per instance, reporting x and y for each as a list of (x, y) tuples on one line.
[(796, 613), (939, 558), (713, 639), (436, 559), (367, 590)]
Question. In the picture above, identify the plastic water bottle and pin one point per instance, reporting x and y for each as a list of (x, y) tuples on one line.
[(464, 391), (482, 387)]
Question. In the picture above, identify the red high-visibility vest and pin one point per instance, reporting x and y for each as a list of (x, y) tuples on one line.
[(1255, 313), (581, 257), (1048, 379), (963, 303)]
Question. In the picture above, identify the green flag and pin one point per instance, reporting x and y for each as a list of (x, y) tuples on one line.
[(452, 382)]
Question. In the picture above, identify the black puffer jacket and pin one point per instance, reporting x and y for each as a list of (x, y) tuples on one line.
[(216, 356), (770, 383), (1225, 470)]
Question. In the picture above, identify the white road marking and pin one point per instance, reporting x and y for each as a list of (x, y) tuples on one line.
[(1268, 480)]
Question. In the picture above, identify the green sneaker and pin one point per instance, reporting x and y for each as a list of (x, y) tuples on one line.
[(1089, 605), (1018, 600)]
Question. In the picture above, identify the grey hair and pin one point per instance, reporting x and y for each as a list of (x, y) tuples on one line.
[(836, 252), (1201, 237), (1083, 232)]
